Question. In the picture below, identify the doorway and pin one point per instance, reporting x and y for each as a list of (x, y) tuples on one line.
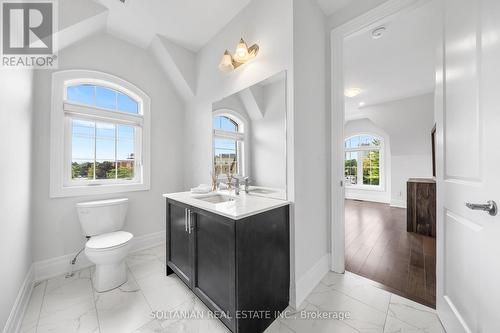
[(387, 199)]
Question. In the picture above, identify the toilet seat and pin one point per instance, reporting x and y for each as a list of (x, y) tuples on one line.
[(109, 241)]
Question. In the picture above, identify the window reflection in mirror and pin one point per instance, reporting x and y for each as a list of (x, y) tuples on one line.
[(249, 137)]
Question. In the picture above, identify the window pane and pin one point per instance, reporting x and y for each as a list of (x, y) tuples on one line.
[(105, 149), (361, 141), (125, 132), (351, 168), (105, 141), (127, 104), (225, 159), (105, 131), (105, 169), (125, 150), (83, 94), (126, 169), (225, 124), (82, 142), (371, 167), (82, 170), (105, 98)]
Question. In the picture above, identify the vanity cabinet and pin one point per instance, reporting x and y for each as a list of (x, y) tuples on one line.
[(180, 251), (238, 268)]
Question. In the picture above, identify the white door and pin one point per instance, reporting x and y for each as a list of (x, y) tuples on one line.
[(468, 114)]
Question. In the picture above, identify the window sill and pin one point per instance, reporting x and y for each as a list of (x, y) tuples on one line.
[(83, 190)]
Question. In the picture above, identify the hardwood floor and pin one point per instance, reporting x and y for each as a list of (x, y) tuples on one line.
[(379, 248)]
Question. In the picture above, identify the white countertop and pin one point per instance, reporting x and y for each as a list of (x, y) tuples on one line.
[(244, 205)]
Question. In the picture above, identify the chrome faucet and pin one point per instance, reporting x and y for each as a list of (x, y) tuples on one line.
[(247, 183), (236, 186)]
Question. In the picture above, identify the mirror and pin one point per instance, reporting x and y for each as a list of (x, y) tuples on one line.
[(249, 139)]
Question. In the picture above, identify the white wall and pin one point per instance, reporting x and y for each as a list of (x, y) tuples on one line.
[(57, 229), (311, 151), (408, 123), (268, 139), (383, 195), (16, 114), (405, 167)]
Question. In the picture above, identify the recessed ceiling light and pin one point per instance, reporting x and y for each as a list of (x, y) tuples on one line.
[(378, 32), (362, 104), (352, 92)]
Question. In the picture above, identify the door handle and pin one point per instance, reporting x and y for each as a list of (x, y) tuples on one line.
[(490, 207), (186, 219), (189, 220)]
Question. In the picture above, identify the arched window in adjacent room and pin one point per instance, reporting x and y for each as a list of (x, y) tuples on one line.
[(363, 155)]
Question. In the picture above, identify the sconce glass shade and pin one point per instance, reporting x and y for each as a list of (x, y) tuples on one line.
[(226, 64), (241, 54)]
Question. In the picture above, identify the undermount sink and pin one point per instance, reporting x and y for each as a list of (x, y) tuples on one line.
[(261, 191), (216, 198)]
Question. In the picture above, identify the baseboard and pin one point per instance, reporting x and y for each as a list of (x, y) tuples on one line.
[(148, 241), (398, 203), (23, 297), (53, 267), (308, 281), (366, 198)]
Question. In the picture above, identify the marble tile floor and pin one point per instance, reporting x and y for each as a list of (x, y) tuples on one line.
[(70, 305)]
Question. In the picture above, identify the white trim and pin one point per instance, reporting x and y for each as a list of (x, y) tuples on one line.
[(337, 36), (310, 279), (16, 316), (49, 268), (59, 185), (90, 112)]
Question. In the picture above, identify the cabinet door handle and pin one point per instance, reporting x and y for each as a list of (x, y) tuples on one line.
[(186, 219), (189, 220)]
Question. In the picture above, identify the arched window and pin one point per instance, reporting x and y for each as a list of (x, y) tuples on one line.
[(103, 124), (228, 144), (363, 160)]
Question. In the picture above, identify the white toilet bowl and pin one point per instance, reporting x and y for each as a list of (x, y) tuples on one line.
[(108, 252), (102, 222)]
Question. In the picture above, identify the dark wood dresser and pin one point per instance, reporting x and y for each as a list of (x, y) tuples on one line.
[(421, 206)]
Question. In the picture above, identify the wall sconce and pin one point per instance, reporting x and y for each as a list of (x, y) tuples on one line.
[(242, 55)]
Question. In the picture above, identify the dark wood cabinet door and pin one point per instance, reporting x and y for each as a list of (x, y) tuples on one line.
[(179, 247), (214, 264)]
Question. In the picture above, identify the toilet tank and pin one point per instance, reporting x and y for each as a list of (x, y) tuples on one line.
[(100, 217)]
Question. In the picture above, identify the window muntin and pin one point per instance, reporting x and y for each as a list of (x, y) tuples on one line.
[(362, 161), (228, 144), (101, 97)]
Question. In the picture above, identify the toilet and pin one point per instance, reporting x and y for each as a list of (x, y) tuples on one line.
[(108, 244)]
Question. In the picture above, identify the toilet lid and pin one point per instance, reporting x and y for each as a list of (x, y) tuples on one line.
[(108, 240)]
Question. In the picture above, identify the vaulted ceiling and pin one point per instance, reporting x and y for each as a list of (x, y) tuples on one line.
[(188, 23), (173, 31)]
